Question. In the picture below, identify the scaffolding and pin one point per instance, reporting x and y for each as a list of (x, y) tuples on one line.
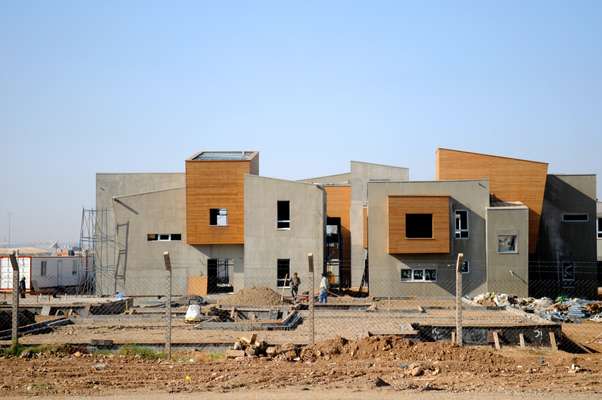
[(99, 251)]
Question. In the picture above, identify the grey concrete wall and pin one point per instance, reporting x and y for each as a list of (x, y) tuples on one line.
[(163, 211), (508, 272), (566, 242), (109, 185), (265, 244), (337, 179), (361, 173), (385, 268), (599, 246)]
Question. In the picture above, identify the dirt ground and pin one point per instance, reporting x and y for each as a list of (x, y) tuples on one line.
[(376, 363)]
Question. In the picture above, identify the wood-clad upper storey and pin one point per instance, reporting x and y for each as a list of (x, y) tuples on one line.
[(398, 209), (510, 179), (338, 203), (216, 184)]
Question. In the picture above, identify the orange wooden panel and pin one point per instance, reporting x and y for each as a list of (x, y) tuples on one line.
[(510, 179), (197, 286), (438, 206), (215, 184), (338, 203)]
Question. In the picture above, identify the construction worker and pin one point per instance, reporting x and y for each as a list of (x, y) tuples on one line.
[(324, 288), (22, 287), (295, 282)]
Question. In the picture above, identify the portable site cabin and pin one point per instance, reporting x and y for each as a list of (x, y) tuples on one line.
[(43, 273)]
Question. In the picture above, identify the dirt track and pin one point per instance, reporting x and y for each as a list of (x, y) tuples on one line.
[(354, 366)]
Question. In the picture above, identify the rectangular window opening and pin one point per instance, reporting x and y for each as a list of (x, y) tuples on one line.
[(507, 244), (461, 226), (283, 220), (465, 268), (218, 216), (151, 237), (74, 268), (164, 237), (43, 268), (176, 236), (419, 226), (283, 272), (599, 228), (575, 218), (419, 275)]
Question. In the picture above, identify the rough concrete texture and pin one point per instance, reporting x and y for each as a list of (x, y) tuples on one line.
[(361, 173), (508, 272), (265, 243), (385, 268)]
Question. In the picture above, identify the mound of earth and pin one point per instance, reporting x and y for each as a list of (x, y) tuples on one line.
[(396, 348), (261, 296)]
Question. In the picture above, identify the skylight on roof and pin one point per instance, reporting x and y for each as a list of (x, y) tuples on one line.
[(223, 155)]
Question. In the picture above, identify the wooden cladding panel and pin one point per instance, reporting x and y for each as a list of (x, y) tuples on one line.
[(215, 184), (338, 204), (438, 206), (509, 180)]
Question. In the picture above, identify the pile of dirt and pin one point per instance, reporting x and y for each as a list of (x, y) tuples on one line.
[(396, 348), (261, 296)]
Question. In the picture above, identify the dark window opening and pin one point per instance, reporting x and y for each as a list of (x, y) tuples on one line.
[(218, 216), (283, 272), (465, 268), (461, 224), (151, 236), (419, 226), (176, 236), (164, 237), (406, 274), (219, 271), (575, 218), (599, 228), (284, 214)]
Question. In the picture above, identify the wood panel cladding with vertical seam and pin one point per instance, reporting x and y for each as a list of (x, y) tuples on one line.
[(215, 184), (338, 204), (438, 206), (509, 180)]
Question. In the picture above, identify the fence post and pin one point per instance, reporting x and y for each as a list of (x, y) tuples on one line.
[(459, 298), (15, 313), (167, 262), (310, 264)]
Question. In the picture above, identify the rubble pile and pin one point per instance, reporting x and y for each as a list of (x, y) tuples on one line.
[(561, 310)]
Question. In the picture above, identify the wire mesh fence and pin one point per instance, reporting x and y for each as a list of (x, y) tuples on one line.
[(417, 300)]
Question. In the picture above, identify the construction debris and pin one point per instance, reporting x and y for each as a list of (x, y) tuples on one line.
[(561, 310)]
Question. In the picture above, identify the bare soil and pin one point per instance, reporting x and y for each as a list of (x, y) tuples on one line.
[(261, 296), (372, 363)]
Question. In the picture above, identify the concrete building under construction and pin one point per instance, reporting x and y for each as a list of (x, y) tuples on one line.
[(521, 229)]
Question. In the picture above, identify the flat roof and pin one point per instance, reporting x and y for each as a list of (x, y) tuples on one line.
[(223, 156)]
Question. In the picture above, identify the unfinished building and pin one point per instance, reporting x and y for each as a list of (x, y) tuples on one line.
[(522, 230)]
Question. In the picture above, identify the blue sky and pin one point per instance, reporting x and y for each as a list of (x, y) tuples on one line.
[(110, 86)]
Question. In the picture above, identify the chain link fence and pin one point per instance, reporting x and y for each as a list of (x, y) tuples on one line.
[(171, 308)]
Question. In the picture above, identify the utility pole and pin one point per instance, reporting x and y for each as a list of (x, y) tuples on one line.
[(459, 262), (15, 316), (167, 262), (310, 264)]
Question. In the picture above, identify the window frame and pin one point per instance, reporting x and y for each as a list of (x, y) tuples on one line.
[(418, 271), (286, 280), (458, 231), (221, 212), (283, 221), (467, 269), (564, 215), (419, 237), (515, 251), (599, 227)]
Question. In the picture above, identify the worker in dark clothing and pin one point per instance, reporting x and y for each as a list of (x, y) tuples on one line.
[(22, 287), (295, 282)]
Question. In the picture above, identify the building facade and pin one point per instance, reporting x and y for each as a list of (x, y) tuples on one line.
[(521, 230)]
